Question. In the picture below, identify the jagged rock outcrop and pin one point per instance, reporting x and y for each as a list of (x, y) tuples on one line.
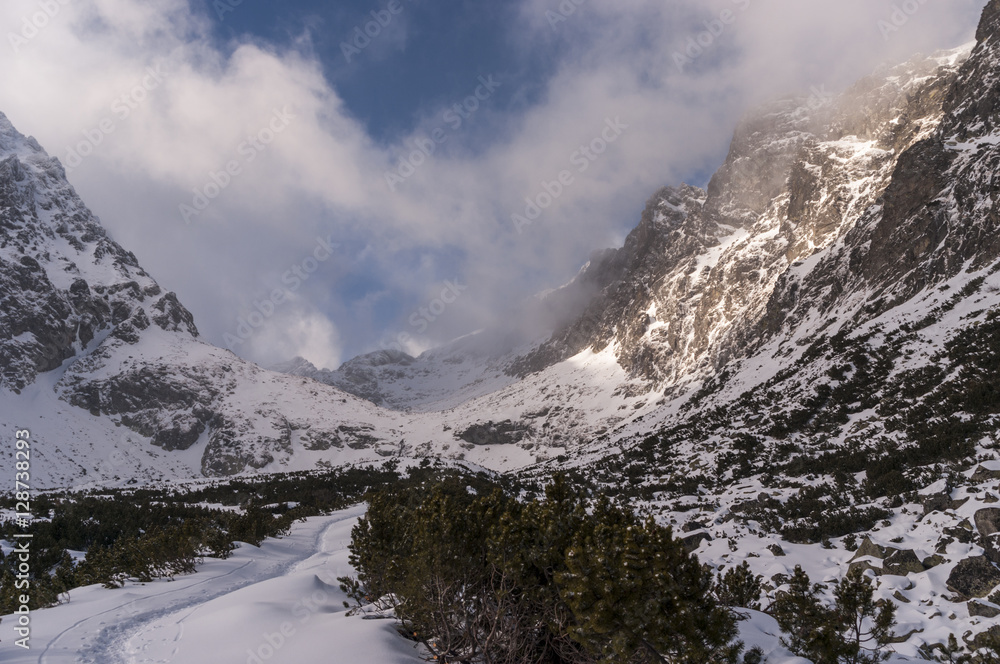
[(901, 563), (364, 376), (987, 521), (708, 276), (938, 214), (63, 282), (71, 298)]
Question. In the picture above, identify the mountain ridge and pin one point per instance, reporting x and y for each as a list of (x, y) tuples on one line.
[(797, 366), (707, 280)]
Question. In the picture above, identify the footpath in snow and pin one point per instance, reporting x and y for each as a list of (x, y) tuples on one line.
[(276, 604)]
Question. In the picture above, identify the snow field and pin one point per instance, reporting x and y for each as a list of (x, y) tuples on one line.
[(277, 604)]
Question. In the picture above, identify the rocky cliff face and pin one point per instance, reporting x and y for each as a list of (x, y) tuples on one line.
[(829, 214), (76, 308), (937, 215), (707, 276), (64, 284), (945, 189), (363, 376)]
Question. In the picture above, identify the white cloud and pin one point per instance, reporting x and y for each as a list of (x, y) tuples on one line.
[(294, 331), (322, 174)]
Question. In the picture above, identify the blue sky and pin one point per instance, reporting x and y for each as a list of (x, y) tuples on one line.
[(446, 47), (403, 230), (426, 58)]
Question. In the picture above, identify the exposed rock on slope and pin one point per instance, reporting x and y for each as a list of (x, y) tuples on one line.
[(63, 282), (76, 306), (707, 276), (831, 221)]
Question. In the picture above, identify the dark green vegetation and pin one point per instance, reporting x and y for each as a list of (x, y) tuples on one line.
[(910, 427), (143, 534), (479, 576), (855, 630), (987, 645), (478, 568)]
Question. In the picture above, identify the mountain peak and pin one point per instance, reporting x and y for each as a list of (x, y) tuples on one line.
[(989, 24), (26, 148), (297, 366), (7, 132), (64, 283)]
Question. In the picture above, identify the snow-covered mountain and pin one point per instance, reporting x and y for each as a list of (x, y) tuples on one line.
[(799, 365), (704, 278), (835, 251), (106, 367), (833, 218), (467, 368), (89, 342), (439, 379), (66, 286)]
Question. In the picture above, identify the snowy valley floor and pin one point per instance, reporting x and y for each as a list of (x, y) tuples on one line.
[(226, 613), (277, 604)]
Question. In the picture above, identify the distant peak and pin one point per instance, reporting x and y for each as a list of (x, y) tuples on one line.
[(381, 358), (293, 366)]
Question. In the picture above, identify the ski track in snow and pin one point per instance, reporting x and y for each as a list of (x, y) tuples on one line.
[(116, 650), (103, 650), (112, 642), (184, 621)]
